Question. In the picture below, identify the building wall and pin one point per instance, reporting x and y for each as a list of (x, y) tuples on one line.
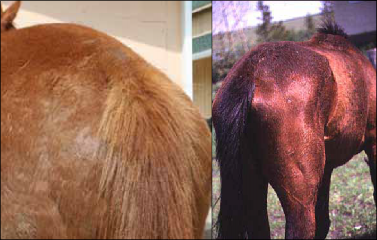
[(356, 16), (152, 29), (202, 51), (202, 22), (203, 86), (202, 29)]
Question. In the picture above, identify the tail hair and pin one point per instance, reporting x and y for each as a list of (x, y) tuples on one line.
[(231, 112), (153, 168), (329, 26)]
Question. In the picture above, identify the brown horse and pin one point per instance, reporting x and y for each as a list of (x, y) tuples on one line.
[(95, 142), (287, 114)]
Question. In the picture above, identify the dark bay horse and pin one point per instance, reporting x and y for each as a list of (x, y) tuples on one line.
[(287, 114), (95, 142)]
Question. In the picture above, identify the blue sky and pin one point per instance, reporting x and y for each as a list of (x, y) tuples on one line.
[(247, 14)]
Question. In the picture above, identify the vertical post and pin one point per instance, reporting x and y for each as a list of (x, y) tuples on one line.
[(187, 58)]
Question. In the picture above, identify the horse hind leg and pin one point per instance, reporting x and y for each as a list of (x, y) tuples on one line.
[(322, 207), (299, 207), (370, 150), (296, 177)]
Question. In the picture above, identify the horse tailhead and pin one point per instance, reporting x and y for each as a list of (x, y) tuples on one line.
[(8, 16)]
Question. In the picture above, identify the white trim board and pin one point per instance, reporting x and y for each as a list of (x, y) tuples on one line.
[(209, 5), (202, 55)]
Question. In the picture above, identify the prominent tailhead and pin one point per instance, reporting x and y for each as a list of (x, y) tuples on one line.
[(8, 16)]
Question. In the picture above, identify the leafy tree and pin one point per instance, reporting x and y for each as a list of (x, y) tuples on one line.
[(268, 31), (272, 32), (225, 62), (327, 11), (310, 25)]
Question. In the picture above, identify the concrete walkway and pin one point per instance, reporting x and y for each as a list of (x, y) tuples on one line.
[(208, 229)]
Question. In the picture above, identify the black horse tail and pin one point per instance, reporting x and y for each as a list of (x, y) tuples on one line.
[(231, 110)]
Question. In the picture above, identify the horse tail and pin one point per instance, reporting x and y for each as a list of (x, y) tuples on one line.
[(231, 111), (156, 171)]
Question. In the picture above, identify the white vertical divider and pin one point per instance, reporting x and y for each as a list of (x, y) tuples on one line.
[(187, 56)]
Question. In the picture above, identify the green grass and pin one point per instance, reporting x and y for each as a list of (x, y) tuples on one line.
[(352, 208)]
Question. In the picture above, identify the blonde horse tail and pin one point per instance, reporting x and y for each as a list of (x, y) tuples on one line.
[(157, 160)]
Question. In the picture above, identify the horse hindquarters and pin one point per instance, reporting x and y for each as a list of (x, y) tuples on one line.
[(294, 164), (29, 216), (293, 104)]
